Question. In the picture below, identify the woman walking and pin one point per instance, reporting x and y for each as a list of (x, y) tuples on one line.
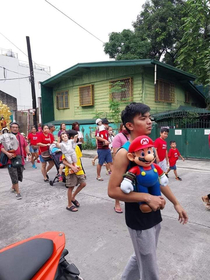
[(44, 141)]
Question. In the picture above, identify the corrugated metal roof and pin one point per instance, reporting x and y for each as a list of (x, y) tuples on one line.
[(80, 67)]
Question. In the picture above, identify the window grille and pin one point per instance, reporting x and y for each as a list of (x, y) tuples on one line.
[(62, 100), (164, 92), (121, 90), (86, 95)]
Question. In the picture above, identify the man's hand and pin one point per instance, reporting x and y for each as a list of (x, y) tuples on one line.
[(183, 218), (156, 202), (126, 185), (10, 155)]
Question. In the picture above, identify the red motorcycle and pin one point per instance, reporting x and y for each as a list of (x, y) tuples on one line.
[(41, 257)]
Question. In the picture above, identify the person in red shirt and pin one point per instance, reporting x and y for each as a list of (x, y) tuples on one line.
[(33, 138), (173, 156), (161, 149), (16, 173), (104, 153), (45, 139)]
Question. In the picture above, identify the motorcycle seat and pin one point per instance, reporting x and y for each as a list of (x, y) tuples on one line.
[(23, 261)]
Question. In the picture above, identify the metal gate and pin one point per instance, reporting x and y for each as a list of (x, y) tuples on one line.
[(191, 136)]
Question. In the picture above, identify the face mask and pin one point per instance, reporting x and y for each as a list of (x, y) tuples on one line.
[(125, 131)]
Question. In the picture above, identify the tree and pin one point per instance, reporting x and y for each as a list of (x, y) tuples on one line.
[(157, 33), (194, 56)]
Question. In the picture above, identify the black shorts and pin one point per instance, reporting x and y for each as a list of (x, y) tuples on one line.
[(16, 174)]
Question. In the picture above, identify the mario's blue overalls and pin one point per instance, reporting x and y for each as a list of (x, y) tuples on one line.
[(148, 181)]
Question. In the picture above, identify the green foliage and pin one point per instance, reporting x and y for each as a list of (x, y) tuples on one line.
[(114, 103), (88, 145), (157, 33), (194, 57)]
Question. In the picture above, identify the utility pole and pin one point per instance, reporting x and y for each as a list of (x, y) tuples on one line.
[(32, 82)]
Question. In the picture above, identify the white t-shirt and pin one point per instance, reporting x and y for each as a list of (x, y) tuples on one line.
[(80, 135)]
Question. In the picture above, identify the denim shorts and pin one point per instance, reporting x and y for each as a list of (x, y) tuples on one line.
[(104, 155), (173, 167), (42, 160), (33, 151)]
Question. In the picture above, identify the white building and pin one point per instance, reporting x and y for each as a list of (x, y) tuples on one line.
[(14, 79)]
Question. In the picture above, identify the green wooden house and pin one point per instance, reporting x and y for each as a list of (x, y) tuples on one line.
[(82, 91), (78, 93)]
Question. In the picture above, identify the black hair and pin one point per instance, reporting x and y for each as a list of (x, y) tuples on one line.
[(172, 141), (164, 129), (132, 110), (44, 126), (14, 123)]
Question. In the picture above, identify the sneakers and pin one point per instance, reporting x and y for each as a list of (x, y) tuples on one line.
[(18, 196), (38, 160), (60, 178), (178, 178), (34, 166)]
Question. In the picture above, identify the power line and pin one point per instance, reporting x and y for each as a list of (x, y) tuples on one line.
[(15, 78), (21, 51), (75, 22), (11, 70)]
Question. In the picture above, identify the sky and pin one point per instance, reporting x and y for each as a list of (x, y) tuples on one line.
[(55, 40)]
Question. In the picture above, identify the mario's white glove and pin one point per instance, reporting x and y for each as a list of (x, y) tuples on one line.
[(163, 180), (126, 185)]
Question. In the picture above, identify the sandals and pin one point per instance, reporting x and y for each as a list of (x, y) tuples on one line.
[(99, 179), (93, 162), (46, 180), (76, 203), (118, 210), (72, 208)]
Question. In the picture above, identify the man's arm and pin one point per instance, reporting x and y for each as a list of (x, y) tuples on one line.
[(167, 156), (9, 155), (119, 168), (74, 168), (183, 218)]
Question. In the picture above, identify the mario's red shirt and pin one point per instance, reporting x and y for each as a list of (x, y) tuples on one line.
[(135, 170), (161, 146), (173, 155)]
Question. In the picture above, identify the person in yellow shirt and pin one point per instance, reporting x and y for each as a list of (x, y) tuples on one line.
[(74, 179)]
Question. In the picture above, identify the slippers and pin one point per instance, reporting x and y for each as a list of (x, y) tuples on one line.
[(76, 203), (72, 208), (118, 210), (46, 180), (93, 162), (99, 179)]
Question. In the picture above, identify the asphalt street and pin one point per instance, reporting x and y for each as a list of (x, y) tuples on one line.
[(96, 236)]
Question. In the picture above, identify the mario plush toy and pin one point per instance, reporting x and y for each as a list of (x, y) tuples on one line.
[(147, 175)]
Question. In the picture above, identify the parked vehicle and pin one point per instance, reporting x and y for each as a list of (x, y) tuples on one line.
[(41, 257)]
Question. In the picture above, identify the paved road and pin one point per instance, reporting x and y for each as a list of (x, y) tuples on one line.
[(96, 236)]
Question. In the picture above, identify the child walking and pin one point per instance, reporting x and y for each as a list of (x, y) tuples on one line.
[(173, 156), (160, 145), (67, 147), (74, 179)]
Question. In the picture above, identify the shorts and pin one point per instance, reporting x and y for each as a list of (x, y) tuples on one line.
[(42, 160), (73, 180), (173, 167), (163, 165), (104, 155), (33, 150), (16, 174)]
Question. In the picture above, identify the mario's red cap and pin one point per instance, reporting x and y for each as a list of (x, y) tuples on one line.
[(141, 142)]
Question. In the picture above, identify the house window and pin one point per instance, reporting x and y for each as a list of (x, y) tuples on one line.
[(86, 96), (187, 97), (62, 100), (121, 90), (164, 92)]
